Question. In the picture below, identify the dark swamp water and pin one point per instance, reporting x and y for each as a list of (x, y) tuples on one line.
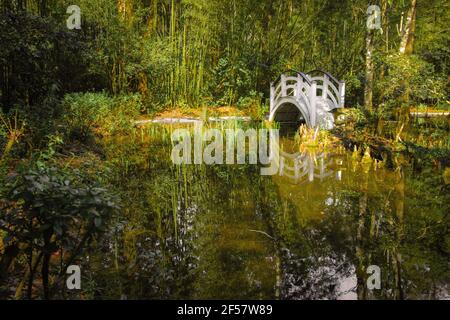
[(308, 232)]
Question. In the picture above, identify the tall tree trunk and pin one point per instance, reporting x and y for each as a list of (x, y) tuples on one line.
[(368, 89), (385, 22), (46, 263), (407, 43), (406, 48)]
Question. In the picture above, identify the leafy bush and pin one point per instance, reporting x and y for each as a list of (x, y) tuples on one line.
[(81, 112), (353, 87), (85, 112), (253, 106), (125, 109), (43, 58), (232, 80), (411, 77), (51, 210), (352, 117)]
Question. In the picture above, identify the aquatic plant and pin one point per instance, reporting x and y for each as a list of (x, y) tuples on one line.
[(313, 139)]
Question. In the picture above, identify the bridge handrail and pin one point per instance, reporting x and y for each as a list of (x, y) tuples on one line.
[(331, 86), (338, 86), (304, 76), (326, 73)]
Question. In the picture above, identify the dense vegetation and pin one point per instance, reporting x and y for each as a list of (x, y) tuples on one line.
[(68, 96), (177, 53)]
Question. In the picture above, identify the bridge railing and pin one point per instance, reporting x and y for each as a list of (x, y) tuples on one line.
[(288, 85), (328, 87), (305, 165)]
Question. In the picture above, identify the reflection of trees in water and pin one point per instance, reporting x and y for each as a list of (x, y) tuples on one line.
[(227, 232), (316, 276), (366, 224)]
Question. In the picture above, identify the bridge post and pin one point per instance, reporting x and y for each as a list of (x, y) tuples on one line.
[(325, 87), (312, 101), (311, 167), (283, 86), (299, 86), (322, 168), (341, 94), (296, 169), (272, 96)]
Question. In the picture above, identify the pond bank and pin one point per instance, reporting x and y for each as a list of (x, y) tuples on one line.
[(429, 114), (186, 120)]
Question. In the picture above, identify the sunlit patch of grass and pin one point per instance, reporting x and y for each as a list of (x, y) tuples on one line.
[(441, 108), (200, 112)]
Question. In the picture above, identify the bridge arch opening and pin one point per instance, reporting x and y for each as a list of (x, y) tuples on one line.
[(289, 117)]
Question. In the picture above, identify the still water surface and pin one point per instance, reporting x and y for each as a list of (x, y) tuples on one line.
[(309, 232)]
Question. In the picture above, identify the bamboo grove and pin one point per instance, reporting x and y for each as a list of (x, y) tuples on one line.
[(213, 52)]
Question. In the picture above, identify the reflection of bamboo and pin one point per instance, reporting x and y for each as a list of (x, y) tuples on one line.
[(278, 277), (278, 270), (399, 212), (360, 271)]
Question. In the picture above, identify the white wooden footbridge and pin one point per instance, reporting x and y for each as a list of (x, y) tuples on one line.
[(309, 98)]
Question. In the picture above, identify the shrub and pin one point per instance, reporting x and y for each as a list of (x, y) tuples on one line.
[(412, 77), (231, 79), (86, 112), (51, 210), (43, 58), (252, 104)]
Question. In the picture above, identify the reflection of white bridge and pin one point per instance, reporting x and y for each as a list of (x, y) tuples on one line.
[(300, 166), (307, 98), (304, 166)]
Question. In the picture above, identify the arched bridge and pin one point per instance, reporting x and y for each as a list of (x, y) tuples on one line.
[(298, 97)]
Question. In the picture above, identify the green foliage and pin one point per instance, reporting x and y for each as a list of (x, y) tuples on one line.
[(52, 210), (135, 56), (410, 77), (353, 86), (432, 34), (47, 198), (352, 117), (253, 106), (233, 81), (43, 60), (84, 112), (194, 52)]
